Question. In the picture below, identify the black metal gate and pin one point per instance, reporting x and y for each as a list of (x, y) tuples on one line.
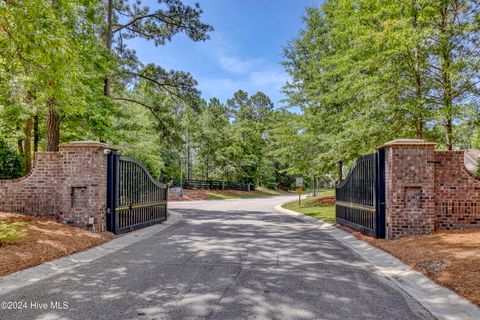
[(360, 198), (135, 199)]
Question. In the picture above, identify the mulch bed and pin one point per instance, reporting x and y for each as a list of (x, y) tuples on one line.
[(326, 200), (46, 240), (450, 258)]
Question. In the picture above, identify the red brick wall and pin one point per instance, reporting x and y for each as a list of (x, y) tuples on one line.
[(427, 190), (70, 184), (457, 192)]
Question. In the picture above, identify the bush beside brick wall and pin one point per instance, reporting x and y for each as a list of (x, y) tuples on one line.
[(427, 190), (70, 184)]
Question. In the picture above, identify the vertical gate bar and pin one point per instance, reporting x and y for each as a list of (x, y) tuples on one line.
[(125, 186), (110, 192), (364, 174), (134, 199), (140, 189), (125, 189), (381, 193), (115, 191), (129, 192), (144, 187), (375, 194), (120, 189), (136, 186)]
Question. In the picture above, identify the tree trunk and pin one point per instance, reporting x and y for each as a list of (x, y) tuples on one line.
[(109, 33), (447, 86), (314, 186), (106, 87), (20, 146), (19, 141), (340, 170), (27, 145), (448, 134), (53, 128), (108, 42), (207, 162), (189, 164), (417, 77), (419, 128), (36, 133)]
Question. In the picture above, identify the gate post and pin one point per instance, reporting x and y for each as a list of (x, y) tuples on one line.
[(380, 193), (80, 184), (112, 190), (410, 187)]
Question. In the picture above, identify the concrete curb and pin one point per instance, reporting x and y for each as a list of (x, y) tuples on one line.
[(439, 301), (45, 270)]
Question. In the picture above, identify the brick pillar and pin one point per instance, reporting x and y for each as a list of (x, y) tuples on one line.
[(410, 187), (83, 189)]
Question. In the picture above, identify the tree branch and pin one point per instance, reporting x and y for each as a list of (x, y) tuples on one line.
[(166, 19), (150, 108), (166, 86), (120, 27)]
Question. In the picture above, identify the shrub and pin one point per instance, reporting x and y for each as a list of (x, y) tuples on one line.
[(11, 163), (478, 170), (10, 231)]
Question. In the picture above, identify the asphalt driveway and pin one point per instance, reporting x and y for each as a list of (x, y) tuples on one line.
[(233, 259)]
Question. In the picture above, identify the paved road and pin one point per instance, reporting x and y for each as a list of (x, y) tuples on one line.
[(234, 259)]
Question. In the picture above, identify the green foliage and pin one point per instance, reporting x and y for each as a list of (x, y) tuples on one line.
[(11, 164), (366, 72), (476, 139), (363, 72), (72, 57), (60, 55), (11, 231)]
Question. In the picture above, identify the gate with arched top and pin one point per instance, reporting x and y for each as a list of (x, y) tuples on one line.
[(360, 198), (134, 199)]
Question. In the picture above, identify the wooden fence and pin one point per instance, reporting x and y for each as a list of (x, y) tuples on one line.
[(211, 185)]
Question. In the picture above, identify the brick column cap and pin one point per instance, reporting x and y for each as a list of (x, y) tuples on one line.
[(409, 142), (84, 144)]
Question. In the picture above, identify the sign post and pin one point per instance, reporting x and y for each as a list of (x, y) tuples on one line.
[(299, 188)]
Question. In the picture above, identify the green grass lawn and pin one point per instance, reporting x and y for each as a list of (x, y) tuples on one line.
[(310, 208)]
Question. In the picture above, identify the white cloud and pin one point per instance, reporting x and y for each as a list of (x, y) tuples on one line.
[(273, 78), (236, 65), (268, 81), (251, 74), (221, 88)]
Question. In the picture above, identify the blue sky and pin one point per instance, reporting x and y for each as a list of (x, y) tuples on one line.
[(245, 49)]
